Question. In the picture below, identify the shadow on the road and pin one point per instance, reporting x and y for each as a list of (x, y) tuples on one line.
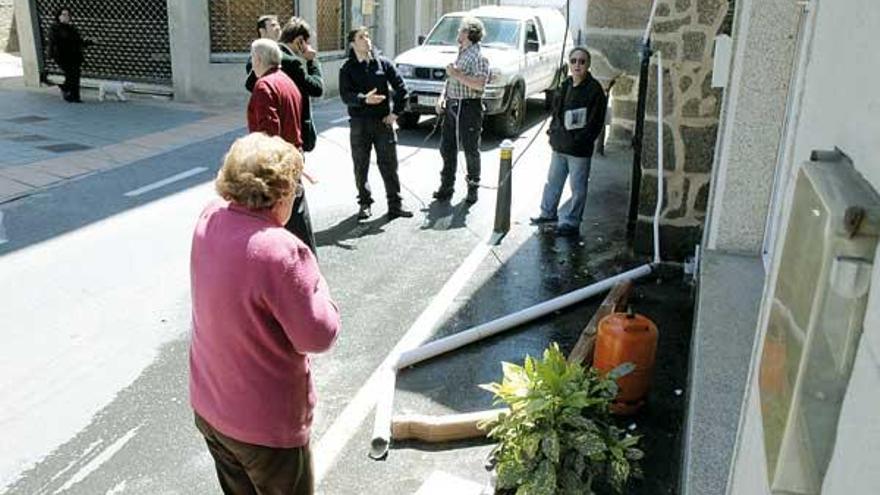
[(350, 228), (94, 197), (145, 436), (443, 215)]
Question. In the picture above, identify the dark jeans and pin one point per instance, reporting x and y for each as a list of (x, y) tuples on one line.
[(462, 125), (367, 133), (70, 86), (244, 468), (300, 223)]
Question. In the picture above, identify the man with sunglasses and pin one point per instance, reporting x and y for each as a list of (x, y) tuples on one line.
[(578, 116)]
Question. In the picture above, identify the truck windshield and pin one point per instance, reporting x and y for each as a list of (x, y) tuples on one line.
[(500, 33)]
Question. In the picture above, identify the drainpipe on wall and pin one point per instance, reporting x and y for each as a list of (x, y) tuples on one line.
[(636, 176)]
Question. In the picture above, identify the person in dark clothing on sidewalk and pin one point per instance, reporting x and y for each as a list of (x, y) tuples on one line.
[(66, 49), (299, 62), (462, 106), (578, 117), (366, 81)]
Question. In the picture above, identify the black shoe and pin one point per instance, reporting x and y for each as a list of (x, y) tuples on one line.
[(443, 194), (399, 211), (568, 231), (541, 220), (472, 195), (364, 212)]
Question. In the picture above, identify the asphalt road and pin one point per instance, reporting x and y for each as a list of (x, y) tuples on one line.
[(95, 317)]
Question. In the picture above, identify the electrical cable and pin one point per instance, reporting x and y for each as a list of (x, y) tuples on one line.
[(522, 153)]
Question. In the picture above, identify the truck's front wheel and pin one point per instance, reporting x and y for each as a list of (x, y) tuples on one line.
[(509, 123)]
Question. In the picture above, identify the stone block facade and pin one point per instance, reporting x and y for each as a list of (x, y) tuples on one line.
[(8, 34), (684, 34)]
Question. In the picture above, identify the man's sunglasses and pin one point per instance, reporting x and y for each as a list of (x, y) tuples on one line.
[(578, 61)]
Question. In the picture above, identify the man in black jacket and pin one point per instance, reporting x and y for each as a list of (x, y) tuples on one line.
[(578, 118), (366, 80), (299, 61)]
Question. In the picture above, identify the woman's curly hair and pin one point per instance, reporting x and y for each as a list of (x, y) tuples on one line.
[(258, 170)]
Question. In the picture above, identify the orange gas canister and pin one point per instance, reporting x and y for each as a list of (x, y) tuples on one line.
[(622, 338)]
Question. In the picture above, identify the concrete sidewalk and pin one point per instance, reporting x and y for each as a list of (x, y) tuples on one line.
[(45, 141)]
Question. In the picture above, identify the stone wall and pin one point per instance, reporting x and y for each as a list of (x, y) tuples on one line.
[(684, 33), (8, 34), (614, 30)]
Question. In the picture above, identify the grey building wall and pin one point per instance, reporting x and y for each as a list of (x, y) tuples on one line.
[(753, 117), (829, 107), (8, 32)]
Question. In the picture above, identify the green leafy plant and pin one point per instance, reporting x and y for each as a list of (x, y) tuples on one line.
[(558, 436)]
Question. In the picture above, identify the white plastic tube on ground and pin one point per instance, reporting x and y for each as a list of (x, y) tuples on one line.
[(382, 422), (499, 325)]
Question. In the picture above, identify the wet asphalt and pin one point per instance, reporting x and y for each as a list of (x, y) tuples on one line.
[(383, 274)]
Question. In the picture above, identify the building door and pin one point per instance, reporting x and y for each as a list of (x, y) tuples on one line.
[(131, 39)]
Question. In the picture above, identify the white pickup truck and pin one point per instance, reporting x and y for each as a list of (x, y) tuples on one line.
[(524, 48)]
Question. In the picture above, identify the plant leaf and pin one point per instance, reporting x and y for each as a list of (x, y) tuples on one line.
[(634, 454), (544, 479), (550, 447)]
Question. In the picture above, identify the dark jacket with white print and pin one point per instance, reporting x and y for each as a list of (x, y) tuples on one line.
[(587, 102)]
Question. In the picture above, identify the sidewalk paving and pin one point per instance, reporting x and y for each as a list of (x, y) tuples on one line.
[(44, 140)]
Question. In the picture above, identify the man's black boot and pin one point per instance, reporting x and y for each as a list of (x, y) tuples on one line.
[(399, 211), (472, 194), (364, 212)]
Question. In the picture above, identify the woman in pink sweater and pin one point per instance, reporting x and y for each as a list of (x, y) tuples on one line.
[(259, 307)]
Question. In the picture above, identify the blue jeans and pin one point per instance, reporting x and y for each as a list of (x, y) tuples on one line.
[(562, 166)]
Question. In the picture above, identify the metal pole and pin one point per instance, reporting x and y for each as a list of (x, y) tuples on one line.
[(636, 175), (505, 189)]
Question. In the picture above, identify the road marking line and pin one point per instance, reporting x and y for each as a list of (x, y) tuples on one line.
[(339, 120), (99, 459), (337, 436), (3, 239), (165, 182)]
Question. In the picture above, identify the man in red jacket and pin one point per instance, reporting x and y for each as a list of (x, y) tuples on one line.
[(275, 108), (276, 103)]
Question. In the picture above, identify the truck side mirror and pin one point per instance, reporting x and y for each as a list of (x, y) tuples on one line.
[(532, 46), (421, 39)]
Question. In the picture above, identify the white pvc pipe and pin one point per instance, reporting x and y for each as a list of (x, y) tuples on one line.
[(382, 421), (499, 325), (659, 207)]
